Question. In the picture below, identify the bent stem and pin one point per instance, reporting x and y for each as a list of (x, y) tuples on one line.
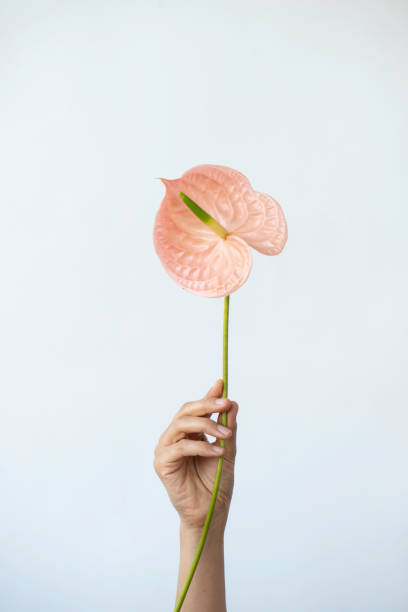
[(217, 480)]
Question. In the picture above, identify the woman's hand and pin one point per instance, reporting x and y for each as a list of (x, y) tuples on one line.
[(186, 461)]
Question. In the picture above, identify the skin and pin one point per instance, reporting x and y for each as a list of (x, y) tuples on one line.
[(186, 462)]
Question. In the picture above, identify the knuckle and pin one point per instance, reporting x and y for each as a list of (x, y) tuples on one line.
[(185, 408), (180, 423), (177, 427), (157, 464), (182, 444)]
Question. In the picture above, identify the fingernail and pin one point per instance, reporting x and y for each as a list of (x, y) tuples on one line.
[(217, 450), (224, 430), (221, 401)]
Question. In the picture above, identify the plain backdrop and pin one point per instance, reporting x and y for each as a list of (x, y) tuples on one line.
[(99, 347)]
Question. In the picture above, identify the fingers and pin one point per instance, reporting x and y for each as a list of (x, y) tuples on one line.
[(204, 406), (189, 419), (185, 436), (231, 416), (184, 425), (216, 389), (167, 455)]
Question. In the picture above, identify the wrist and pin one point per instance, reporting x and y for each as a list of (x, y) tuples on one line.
[(207, 591), (193, 533)]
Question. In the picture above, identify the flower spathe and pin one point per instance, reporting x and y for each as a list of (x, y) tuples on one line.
[(194, 255)]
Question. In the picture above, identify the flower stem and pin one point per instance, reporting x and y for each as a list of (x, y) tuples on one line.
[(217, 480)]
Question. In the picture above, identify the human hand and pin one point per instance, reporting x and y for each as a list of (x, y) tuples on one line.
[(186, 461)]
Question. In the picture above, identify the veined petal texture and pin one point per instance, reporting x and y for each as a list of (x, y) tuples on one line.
[(205, 265), (192, 253)]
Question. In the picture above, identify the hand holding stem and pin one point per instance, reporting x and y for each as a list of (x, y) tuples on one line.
[(187, 463)]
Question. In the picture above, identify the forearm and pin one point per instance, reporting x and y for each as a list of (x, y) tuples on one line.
[(207, 589)]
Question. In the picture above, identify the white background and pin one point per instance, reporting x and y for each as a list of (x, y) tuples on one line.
[(99, 347)]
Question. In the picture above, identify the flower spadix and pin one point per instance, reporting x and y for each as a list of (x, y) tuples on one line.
[(207, 220)]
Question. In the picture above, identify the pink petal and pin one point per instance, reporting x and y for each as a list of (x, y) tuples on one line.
[(227, 195), (223, 192), (269, 237), (203, 263), (180, 214)]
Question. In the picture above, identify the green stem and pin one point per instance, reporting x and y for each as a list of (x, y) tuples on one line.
[(217, 480)]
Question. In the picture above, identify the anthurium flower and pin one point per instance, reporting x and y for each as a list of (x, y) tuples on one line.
[(206, 223), (212, 258)]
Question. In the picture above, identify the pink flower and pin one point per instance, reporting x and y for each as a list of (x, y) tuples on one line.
[(194, 255)]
